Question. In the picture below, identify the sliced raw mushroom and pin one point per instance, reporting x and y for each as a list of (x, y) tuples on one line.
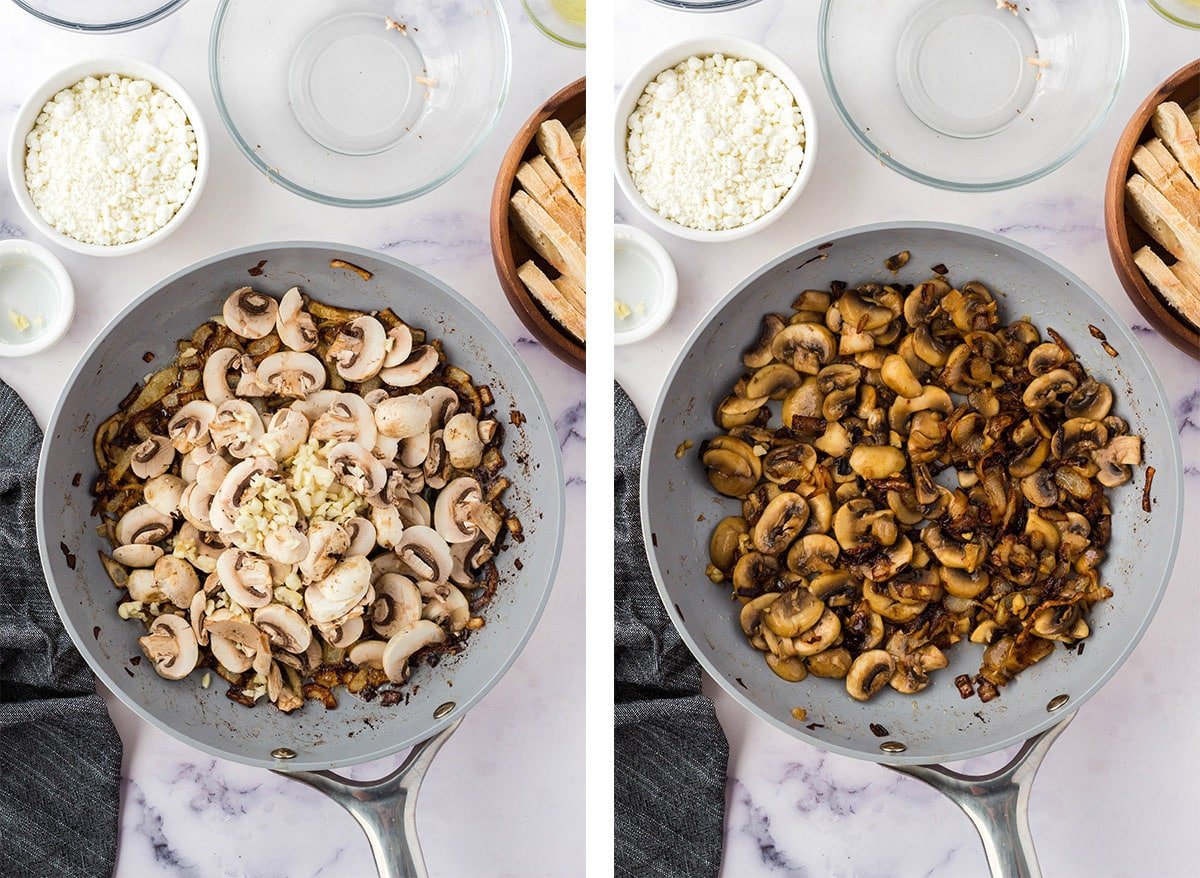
[(402, 645), (217, 369), (452, 511), (188, 427), (295, 326), (315, 404), (227, 502), (328, 541), (250, 314), (153, 457), (142, 586), (142, 524), (137, 555), (368, 653), (357, 468), (292, 374), (399, 345), (359, 348), (361, 535), (348, 419), (426, 553), (210, 474), (195, 505), (415, 450), (339, 592), (401, 417), (286, 431), (245, 638), (341, 633), (176, 579), (420, 365), (286, 545), (389, 528), (285, 629), (443, 405), (236, 427), (397, 604), (445, 605), (171, 646), (162, 494), (246, 578)]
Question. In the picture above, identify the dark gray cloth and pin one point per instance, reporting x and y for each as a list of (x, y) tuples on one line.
[(60, 757), (671, 753)]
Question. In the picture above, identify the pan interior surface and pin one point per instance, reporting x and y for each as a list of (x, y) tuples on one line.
[(356, 731), (680, 507)]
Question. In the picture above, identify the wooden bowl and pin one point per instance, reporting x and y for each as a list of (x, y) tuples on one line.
[(508, 248), (1124, 235)]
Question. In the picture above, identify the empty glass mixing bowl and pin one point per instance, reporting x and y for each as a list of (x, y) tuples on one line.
[(973, 94), (359, 103)]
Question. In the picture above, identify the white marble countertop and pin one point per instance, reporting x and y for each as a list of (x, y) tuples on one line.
[(519, 754), (1117, 793)]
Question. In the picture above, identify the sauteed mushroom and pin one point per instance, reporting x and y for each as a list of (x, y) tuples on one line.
[(883, 386)]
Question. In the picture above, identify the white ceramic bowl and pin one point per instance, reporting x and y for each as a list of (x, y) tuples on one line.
[(659, 293), (66, 77), (51, 314), (734, 47)]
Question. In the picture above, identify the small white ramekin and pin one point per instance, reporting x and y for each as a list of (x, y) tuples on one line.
[(733, 47), (68, 76), (58, 321), (666, 290)]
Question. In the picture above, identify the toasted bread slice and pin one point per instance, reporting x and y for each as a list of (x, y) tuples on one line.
[(1161, 220), (573, 293), (583, 154), (1187, 273), (546, 236), (556, 145), (1174, 129), (546, 292), (546, 188), (1183, 299), (1193, 114), (1171, 182), (578, 130)]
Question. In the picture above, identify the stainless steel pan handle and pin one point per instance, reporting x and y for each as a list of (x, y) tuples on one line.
[(998, 803), (386, 809)]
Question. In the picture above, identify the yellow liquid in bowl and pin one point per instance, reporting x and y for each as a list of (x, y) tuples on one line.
[(572, 10)]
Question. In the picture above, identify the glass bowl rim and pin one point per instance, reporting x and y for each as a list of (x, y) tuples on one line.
[(714, 6), (337, 201), (955, 186), (116, 27), (547, 31)]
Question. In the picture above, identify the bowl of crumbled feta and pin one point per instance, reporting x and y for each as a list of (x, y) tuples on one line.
[(715, 138), (108, 156)]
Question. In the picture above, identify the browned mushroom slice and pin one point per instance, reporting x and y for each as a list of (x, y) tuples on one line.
[(871, 671), (780, 523), (731, 465), (759, 354)]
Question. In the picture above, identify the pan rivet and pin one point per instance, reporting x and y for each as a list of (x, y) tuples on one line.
[(1057, 701), (443, 709), (283, 753), (892, 747)]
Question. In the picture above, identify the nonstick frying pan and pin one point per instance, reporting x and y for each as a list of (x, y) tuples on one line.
[(937, 725), (306, 744)]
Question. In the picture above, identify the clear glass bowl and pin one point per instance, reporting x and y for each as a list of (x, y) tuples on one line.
[(704, 5), (560, 20), (1184, 12), (361, 103), (966, 95), (100, 16)]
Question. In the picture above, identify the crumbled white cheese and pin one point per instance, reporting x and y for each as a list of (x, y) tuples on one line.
[(715, 142), (18, 320), (110, 160)]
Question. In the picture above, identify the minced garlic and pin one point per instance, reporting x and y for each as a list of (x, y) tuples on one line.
[(623, 310), (19, 321)]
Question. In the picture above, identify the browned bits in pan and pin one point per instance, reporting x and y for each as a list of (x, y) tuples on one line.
[(1146, 507), (897, 262), (935, 476)]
